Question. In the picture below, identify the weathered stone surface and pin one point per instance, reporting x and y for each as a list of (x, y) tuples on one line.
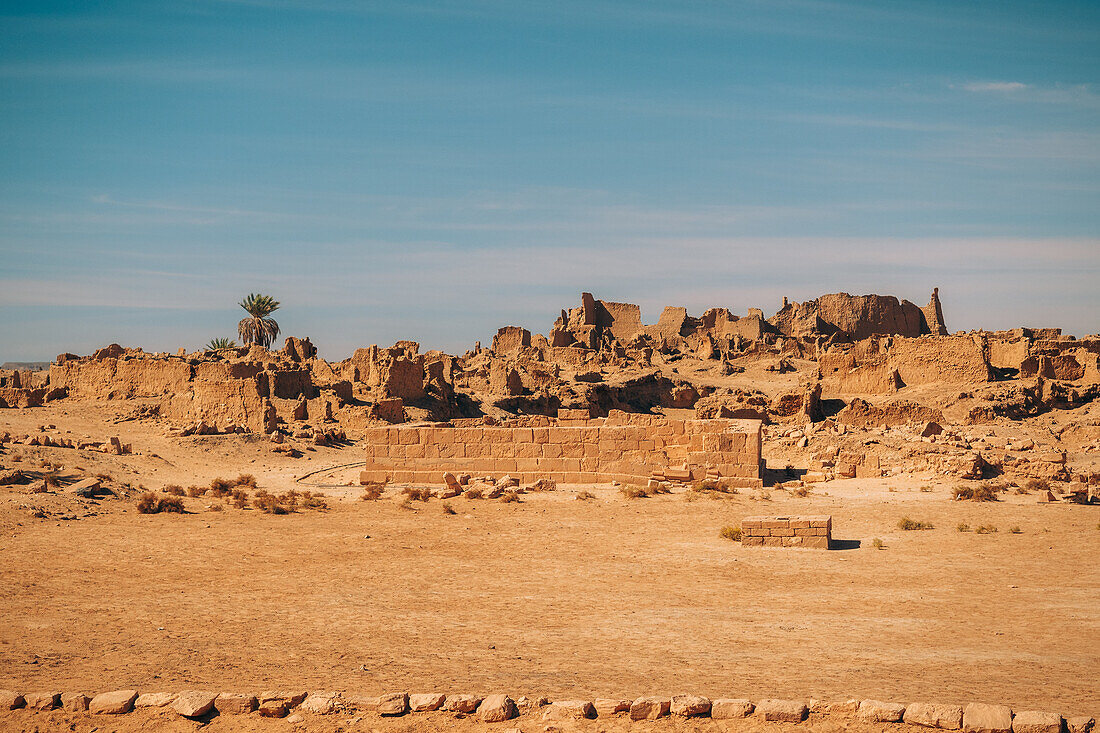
[(836, 707), (235, 703), (880, 712), (194, 703), (423, 703), (273, 708), (530, 704), (729, 708), (689, 706), (74, 702), (982, 718), (606, 706), (393, 703), (569, 710), (947, 717), (1081, 724), (461, 703), (784, 711), (321, 703), (113, 703), (292, 698), (1034, 721), (42, 700), (154, 699), (649, 708), (496, 709)]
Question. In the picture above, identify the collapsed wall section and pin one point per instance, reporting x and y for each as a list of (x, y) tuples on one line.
[(629, 449)]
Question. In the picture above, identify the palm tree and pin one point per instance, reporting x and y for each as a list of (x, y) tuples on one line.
[(219, 344), (258, 328)]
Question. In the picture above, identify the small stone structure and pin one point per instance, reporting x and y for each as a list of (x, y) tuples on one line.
[(807, 531), (625, 447)]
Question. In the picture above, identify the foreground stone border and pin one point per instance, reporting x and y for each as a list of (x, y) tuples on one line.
[(973, 718)]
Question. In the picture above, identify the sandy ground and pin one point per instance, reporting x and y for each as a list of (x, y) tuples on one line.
[(606, 597)]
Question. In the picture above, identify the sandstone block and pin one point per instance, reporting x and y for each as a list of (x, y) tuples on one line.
[(235, 703), (194, 703), (154, 699), (426, 702), (496, 709), (273, 708), (649, 708), (606, 706), (947, 717), (321, 703), (393, 703), (1083, 724), (727, 709), (982, 718), (74, 702), (461, 703), (569, 710), (292, 698), (1032, 721), (689, 706), (113, 703), (880, 712), (42, 700), (783, 711)]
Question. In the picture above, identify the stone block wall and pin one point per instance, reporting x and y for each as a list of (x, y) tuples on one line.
[(625, 448), (807, 531)]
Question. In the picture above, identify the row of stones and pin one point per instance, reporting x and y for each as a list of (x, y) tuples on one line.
[(974, 718)]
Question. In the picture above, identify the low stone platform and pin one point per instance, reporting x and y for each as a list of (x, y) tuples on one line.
[(807, 531)]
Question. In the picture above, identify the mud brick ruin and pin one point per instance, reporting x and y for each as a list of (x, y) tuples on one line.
[(622, 447), (808, 531)]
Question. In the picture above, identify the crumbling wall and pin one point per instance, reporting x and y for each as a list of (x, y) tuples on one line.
[(626, 448)]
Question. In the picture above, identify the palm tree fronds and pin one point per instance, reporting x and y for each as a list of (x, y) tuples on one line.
[(217, 344)]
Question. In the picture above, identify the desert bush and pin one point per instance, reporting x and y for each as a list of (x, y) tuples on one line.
[(217, 508), (730, 533), (1037, 484), (314, 501), (985, 529), (926, 489), (52, 480), (270, 504), (984, 491), (220, 487), (908, 524), (963, 527), (238, 498), (448, 509), (246, 479), (150, 503), (174, 490), (509, 497), (802, 491), (1016, 530), (878, 544), (417, 494), (585, 495), (196, 491), (633, 492), (372, 491)]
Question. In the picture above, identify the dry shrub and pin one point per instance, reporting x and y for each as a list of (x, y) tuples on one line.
[(448, 509), (473, 493), (982, 492), (217, 508), (196, 491), (660, 489), (1035, 484), (239, 498), (269, 503), (633, 492), (908, 524), (372, 491), (509, 497), (52, 480), (585, 495), (963, 527), (802, 491), (985, 529), (220, 487), (730, 533), (417, 494), (246, 479), (150, 503), (543, 484), (1016, 530), (314, 501), (174, 490), (878, 544)]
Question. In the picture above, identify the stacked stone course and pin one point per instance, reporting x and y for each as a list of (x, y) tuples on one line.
[(806, 531), (623, 447)]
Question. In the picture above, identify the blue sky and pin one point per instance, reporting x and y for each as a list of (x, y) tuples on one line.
[(434, 170)]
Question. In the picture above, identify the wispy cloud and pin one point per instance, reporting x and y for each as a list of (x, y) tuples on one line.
[(994, 86)]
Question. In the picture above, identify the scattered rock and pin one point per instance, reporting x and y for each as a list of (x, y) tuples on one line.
[(321, 703), (1081, 724), (609, 706), (981, 718), (113, 703), (393, 703), (154, 699), (42, 700), (74, 702), (880, 712), (783, 711), (461, 703), (947, 717), (1027, 721), (496, 709), (194, 703), (569, 710), (689, 706), (649, 708), (426, 702), (726, 709), (235, 703)]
